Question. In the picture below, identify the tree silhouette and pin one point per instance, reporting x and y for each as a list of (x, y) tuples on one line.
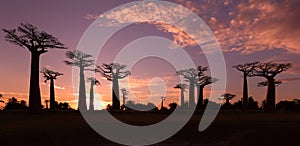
[(162, 102), (113, 72), (191, 76), (269, 71), (182, 88), (81, 60), (51, 75), (13, 103), (37, 42), (227, 97), (94, 82), (252, 104), (1, 97), (172, 106), (46, 102), (203, 81), (124, 94), (246, 69)]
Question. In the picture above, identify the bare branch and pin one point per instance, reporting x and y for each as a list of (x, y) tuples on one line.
[(28, 36), (112, 70), (269, 69), (246, 68), (49, 74), (78, 59)]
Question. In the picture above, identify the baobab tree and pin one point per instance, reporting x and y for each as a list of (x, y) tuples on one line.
[(37, 42), (203, 81), (82, 61), (46, 102), (182, 88), (51, 75), (246, 69), (227, 97), (162, 102), (113, 72), (269, 71), (93, 82), (124, 94), (191, 76)]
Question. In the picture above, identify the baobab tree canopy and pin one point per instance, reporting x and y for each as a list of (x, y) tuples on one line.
[(79, 59), (28, 36), (50, 75), (112, 70), (227, 97), (37, 42), (269, 69), (206, 80), (246, 68)]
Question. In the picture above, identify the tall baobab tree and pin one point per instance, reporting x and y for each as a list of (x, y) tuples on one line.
[(191, 76), (51, 75), (182, 88), (93, 82), (269, 71), (246, 69), (124, 94), (37, 42), (113, 72), (203, 81), (81, 60), (227, 97)]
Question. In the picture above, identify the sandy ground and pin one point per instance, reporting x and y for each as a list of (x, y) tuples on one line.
[(229, 128)]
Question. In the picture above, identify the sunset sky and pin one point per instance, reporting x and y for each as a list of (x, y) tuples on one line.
[(247, 31)]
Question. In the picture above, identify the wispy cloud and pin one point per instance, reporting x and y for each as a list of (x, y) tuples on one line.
[(244, 26)]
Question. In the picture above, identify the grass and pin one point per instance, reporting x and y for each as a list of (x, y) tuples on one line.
[(229, 128)]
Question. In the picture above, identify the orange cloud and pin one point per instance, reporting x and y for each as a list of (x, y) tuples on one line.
[(242, 26)]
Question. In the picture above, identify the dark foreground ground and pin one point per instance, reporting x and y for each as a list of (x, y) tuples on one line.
[(229, 128)]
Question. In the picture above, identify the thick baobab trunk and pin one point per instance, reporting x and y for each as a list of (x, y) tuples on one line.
[(200, 97), (91, 108), (191, 95), (115, 93), (124, 99), (270, 100), (182, 98), (227, 102), (34, 91), (52, 94), (245, 93), (82, 93)]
